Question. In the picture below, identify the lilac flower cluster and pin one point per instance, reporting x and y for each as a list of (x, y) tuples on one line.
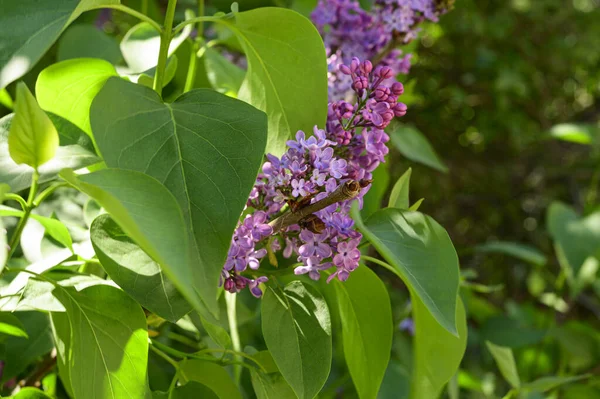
[(350, 148), (349, 31)]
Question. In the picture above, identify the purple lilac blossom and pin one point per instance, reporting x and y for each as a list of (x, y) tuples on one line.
[(349, 31), (350, 147)]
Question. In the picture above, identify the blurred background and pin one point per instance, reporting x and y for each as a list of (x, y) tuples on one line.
[(504, 109)]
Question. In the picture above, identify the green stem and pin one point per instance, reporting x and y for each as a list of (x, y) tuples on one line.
[(381, 263), (233, 329), (242, 354), (135, 14), (166, 357), (44, 194), (192, 68), (165, 39), (182, 25), (29, 206), (16, 197)]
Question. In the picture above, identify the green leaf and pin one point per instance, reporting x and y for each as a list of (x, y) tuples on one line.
[(515, 249), (4, 188), (5, 99), (75, 151), (437, 353), (416, 205), (29, 27), (366, 315), (68, 88), (373, 199), (224, 76), (54, 228), (193, 390), (130, 197), (272, 384), (576, 238), (10, 325), (61, 332), (32, 138), (141, 45), (217, 333), (422, 253), (18, 352), (414, 145), (574, 133), (297, 331), (287, 71), (87, 41), (506, 363), (506, 331), (134, 271), (108, 351), (206, 148), (399, 195), (212, 375), (30, 393), (396, 383), (545, 384)]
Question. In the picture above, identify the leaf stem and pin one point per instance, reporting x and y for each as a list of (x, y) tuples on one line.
[(46, 193), (165, 39), (381, 263), (182, 25), (16, 197), (166, 357), (242, 354), (29, 206), (135, 14), (230, 300), (192, 68)]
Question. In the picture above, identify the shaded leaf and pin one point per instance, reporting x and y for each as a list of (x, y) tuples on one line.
[(224, 76), (87, 41), (272, 384), (517, 250), (54, 228), (11, 325), (506, 363), (212, 376), (414, 145), (297, 330), (134, 271), (545, 384), (29, 27)]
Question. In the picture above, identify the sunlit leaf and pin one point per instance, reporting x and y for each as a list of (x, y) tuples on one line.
[(506, 363)]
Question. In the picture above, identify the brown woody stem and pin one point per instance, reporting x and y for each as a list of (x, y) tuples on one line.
[(344, 192)]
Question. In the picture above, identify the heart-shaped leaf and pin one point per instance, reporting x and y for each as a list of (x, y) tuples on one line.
[(206, 148)]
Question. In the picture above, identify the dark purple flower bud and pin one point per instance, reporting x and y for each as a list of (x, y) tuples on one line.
[(397, 88), (400, 109), (344, 69), (354, 65), (383, 72), (229, 285), (366, 67)]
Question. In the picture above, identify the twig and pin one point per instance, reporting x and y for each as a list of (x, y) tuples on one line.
[(344, 192)]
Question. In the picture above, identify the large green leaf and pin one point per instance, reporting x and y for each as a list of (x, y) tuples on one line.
[(506, 363), (414, 145), (212, 375), (373, 199), (577, 238), (29, 27), (206, 148), (32, 138), (366, 315), (61, 332), (422, 253), (297, 331), (223, 75), (54, 228), (87, 41), (269, 385), (75, 151), (68, 88), (287, 71), (149, 214), (19, 352), (437, 353), (108, 353), (134, 271)]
